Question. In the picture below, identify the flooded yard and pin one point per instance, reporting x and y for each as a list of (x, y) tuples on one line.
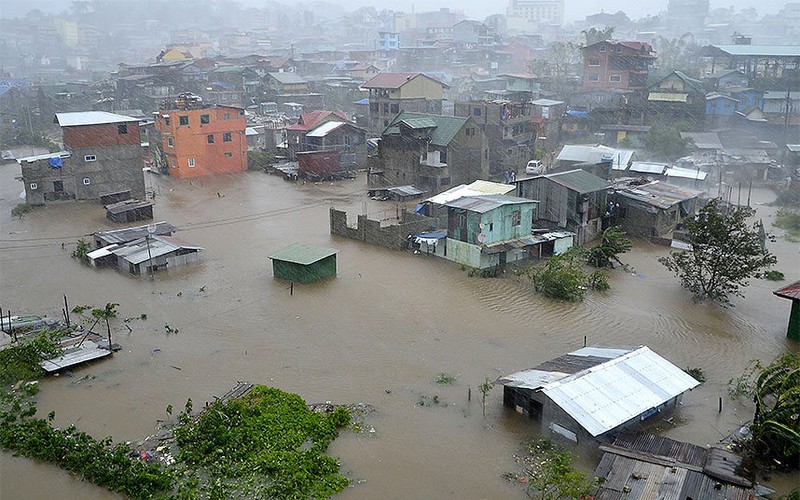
[(381, 333)]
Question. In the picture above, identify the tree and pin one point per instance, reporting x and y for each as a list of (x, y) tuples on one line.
[(667, 142), (776, 424), (612, 243), (726, 253), (485, 388), (594, 35)]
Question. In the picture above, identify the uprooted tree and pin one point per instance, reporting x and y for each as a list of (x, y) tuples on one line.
[(726, 252), (613, 243)]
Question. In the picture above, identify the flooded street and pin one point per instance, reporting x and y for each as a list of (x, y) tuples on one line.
[(381, 333)]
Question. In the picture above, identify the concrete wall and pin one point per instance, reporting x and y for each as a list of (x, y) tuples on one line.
[(114, 168), (370, 231)]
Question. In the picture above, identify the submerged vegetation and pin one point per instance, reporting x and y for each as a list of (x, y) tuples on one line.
[(548, 473), (266, 444), (562, 276)]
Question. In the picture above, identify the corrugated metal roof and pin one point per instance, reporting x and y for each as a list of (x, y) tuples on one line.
[(761, 50), (686, 173), (325, 129), (579, 180), (659, 194), (667, 96), (141, 250), (388, 80), (484, 203), (703, 140), (404, 191), (91, 118), (789, 292), (607, 395), (794, 148), (445, 127), (476, 188), (645, 167), (300, 253), (418, 123), (580, 153), (134, 233), (288, 78)]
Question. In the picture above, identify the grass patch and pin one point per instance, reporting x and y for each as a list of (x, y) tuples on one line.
[(697, 374), (445, 379), (20, 210)]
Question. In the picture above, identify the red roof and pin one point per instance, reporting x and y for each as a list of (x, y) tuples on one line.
[(307, 121), (790, 292)]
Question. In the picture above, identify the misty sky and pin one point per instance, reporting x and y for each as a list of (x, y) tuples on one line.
[(475, 9)]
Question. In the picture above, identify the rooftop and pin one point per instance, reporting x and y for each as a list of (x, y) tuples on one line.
[(485, 203), (659, 194), (300, 253), (134, 233), (760, 50), (394, 80), (789, 292), (576, 180), (476, 188), (581, 153), (602, 388), (444, 128), (91, 118)]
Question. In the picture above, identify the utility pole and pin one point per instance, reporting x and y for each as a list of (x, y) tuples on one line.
[(151, 228)]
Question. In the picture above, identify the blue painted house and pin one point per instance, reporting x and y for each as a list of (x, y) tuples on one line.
[(720, 105), (489, 230)]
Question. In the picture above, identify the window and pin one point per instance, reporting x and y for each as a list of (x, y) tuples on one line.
[(166, 121), (210, 138), (86, 181), (183, 120), (491, 226), (169, 142), (228, 155), (191, 162), (593, 61), (603, 48), (227, 137), (90, 158), (173, 163), (226, 116), (614, 78), (385, 108), (34, 186), (205, 119), (516, 217), (241, 112), (469, 132), (395, 108), (122, 128), (58, 186), (593, 77), (476, 111), (445, 181)]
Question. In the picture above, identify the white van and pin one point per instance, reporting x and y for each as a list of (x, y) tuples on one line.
[(534, 167)]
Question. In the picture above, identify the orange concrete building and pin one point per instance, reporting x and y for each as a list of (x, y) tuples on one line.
[(196, 141)]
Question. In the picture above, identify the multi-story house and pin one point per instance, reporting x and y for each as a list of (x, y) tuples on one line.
[(431, 152), (103, 154), (195, 140), (391, 93), (526, 15), (508, 129), (675, 98), (612, 64)]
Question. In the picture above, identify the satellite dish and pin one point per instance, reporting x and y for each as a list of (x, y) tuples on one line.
[(151, 229), (481, 237)]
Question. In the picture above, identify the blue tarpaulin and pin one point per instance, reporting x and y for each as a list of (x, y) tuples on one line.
[(362, 102), (578, 114), (55, 162)]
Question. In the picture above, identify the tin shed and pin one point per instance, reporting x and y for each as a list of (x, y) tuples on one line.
[(304, 263)]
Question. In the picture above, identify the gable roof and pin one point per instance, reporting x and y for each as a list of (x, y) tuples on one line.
[(476, 188), (444, 128), (288, 77), (300, 253), (582, 153), (91, 118), (395, 80), (658, 194), (789, 292), (577, 180), (602, 388), (308, 121), (485, 203)]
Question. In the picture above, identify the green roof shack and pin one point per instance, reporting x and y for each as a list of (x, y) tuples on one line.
[(304, 263), (792, 292)]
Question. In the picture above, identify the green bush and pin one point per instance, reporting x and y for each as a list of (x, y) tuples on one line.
[(20, 210)]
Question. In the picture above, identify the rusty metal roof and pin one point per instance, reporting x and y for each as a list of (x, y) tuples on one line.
[(789, 292)]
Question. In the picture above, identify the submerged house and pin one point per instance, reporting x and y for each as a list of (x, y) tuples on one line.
[(653, 209), (792, 292), (594, 392), (142, 255), (487, 231), (641, 466), (574, 200), (304, 263)]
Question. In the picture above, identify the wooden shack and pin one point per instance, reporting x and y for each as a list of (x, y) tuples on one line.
[(304, 263), (115, 197)]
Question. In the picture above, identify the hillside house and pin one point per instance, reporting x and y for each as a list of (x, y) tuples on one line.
[(431, 152), (613, 64), (654, 209), (391, 93)]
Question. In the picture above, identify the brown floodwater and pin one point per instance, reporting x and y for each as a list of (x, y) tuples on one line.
[(380, 333)]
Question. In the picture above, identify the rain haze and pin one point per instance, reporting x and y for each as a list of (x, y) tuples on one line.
[(472, 225)]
